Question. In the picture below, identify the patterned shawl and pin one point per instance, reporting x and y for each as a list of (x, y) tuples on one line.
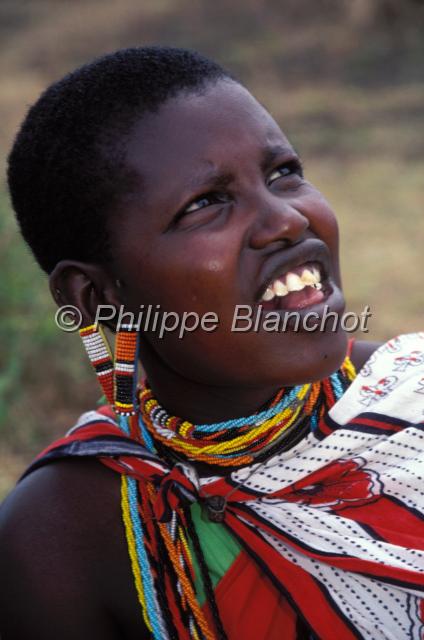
[(336, 522)]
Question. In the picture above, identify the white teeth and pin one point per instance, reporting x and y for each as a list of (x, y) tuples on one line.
[(294, 283), (280, 288), (268, 295), (311, 278), (308, 277), (316, 274)]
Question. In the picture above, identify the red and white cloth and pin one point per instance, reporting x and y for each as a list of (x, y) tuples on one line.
[(336, 522)]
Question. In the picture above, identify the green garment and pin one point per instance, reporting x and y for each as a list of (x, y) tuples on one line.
[(219, 547)]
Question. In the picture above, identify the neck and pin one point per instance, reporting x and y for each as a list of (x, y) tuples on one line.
[(201, 403)]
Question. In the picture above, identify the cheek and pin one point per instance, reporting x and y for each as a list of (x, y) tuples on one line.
[(323, 224), (326, 227), (327, 221), (184, 279), (206, 275)]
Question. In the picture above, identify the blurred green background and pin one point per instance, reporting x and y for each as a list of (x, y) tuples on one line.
[(344, 78)]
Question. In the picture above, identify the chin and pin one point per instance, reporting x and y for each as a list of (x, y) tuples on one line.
[(309, 358), (325, 356)]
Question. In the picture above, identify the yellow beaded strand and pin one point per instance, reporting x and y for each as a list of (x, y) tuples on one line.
[(349, 369), (207, 452), (187, 590), (129, 533)]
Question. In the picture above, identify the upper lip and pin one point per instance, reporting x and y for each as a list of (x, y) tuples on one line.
[(311, 250)]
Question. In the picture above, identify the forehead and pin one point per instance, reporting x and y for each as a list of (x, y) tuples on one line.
[(195, 133)]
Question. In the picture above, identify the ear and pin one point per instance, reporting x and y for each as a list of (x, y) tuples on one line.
[(85, 286)]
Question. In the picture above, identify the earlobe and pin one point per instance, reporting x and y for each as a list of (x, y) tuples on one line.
[(85, 286)]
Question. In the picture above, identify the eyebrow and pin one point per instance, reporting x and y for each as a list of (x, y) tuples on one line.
[(215, 179), (210, 178), (271, 154)]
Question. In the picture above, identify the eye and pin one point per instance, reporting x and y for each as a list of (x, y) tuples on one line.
[(205, 200), (201, 210), (288, 169)]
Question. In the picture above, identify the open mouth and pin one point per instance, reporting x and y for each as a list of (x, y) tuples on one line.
[(301, 287)]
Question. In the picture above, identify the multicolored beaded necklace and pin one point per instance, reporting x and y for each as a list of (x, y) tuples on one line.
[(241, 441), (159, 550)]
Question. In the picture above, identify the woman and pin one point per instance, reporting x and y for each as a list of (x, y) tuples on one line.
[(285, 502)]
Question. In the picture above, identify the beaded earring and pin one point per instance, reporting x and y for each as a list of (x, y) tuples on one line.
[(100, 356), (127, 344), (117, 375)]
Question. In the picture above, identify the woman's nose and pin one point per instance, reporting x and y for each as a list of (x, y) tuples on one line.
[(275, 221)]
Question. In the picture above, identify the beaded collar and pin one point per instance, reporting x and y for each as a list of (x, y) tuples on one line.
[(241, 441)]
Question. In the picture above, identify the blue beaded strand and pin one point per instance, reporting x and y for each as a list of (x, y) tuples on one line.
[(337, 385), (147, 438), (124, 424), (253, 419), (144, 564), (313, 422)]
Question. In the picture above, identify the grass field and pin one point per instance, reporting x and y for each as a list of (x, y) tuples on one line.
[(347, 91)]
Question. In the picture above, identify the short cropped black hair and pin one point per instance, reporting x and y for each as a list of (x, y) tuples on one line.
[(65, 171)]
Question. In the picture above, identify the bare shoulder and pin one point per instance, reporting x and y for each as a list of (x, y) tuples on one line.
[(60, 503), (62, 546), (361, 351)]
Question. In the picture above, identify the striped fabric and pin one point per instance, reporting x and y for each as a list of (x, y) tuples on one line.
[(331, 531)]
